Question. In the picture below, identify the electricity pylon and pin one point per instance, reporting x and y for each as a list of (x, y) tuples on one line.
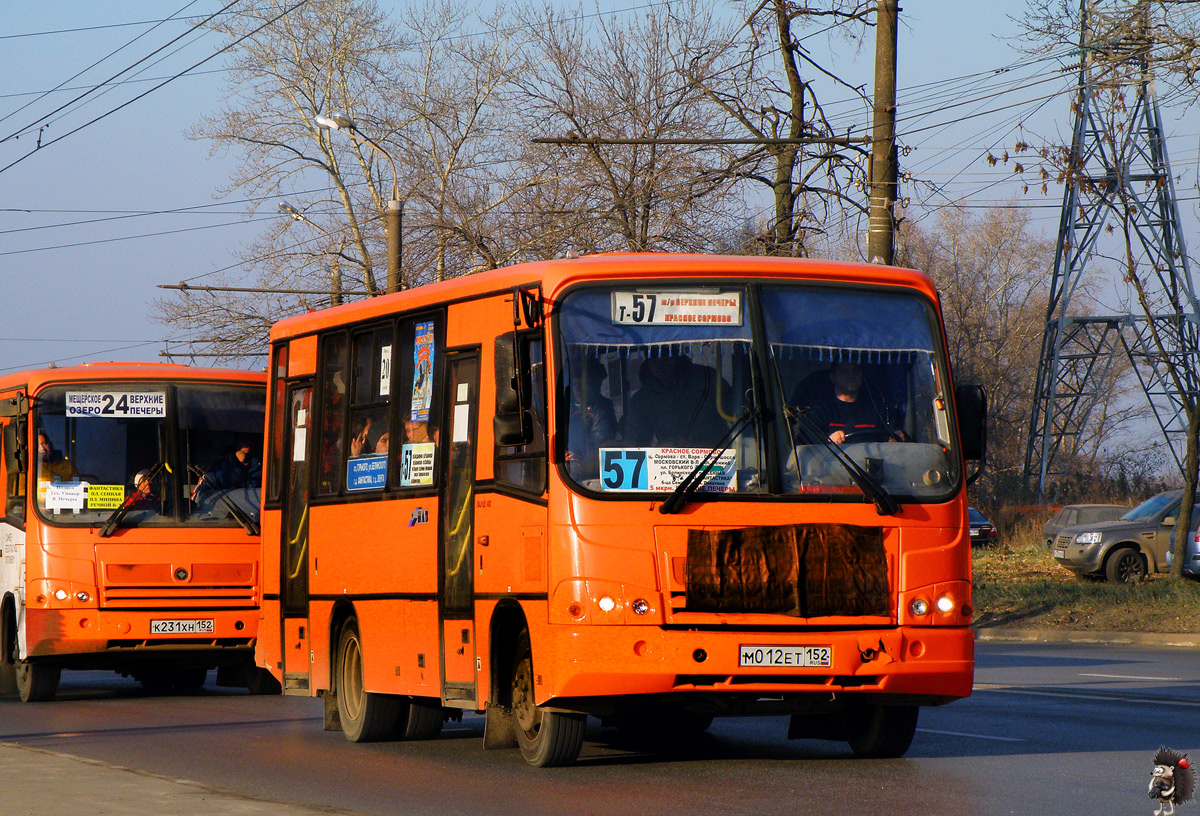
[(1118, 173)]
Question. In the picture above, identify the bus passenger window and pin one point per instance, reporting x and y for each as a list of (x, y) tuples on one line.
[(524, 466), (334, 376), (415, 439)]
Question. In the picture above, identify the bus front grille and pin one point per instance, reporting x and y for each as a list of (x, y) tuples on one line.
[(178, 597)]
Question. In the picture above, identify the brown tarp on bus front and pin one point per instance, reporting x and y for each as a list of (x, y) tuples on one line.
[(806, 570)]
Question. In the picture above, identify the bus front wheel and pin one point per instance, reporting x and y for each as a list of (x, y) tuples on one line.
[(546, 738), (36, 683), (883, 731), (366, 716)]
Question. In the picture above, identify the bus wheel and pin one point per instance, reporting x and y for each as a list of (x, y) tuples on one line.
[(189, 679), (546, 738), (37, 683), (366, 716), (420, 719), (883, 731)]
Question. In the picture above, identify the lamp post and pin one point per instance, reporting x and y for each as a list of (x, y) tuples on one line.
[(335, 272), (394, 213)]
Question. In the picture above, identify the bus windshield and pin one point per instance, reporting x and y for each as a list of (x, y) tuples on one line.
[(149, 453), (657, 378)]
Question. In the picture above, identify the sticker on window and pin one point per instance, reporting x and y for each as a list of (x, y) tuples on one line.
[(58, 497), (677, 308), (422, 390), (663, 469), (367, 472), (116, 404), (416, 463), (105, 496), (385, 371)]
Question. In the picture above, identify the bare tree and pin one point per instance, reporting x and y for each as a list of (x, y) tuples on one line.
[(766, 83)]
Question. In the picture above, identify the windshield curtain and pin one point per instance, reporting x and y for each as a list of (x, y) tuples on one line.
[(652, 378), (151, 453)]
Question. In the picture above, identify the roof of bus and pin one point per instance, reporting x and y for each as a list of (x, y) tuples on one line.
[(553, 274), (35, 378)]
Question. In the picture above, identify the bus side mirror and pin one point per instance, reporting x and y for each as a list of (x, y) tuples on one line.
[(512, 424), (512, 429), (14, 451), (971, 404)]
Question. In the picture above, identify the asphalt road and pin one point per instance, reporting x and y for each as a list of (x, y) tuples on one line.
[(1050, 728)]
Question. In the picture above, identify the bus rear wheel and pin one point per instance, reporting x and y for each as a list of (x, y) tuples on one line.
[(419, 719), (36, 683), (883, 731), (366, 716), (546, 738)]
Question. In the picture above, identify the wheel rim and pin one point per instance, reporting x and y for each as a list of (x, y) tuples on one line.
[(527, 715), (1129, 566), (351, 685)]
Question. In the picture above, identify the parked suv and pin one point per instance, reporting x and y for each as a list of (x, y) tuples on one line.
[(1073, 515), (1125, 549)]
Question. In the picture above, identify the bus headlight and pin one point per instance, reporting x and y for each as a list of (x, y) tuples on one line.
[(82, 596), (61, 594), (606, 603), (640, 606), (919, 607), (945, 604)]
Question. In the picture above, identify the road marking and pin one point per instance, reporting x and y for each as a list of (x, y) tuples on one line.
[(972, 736), (1085, 695), (1129, 677)]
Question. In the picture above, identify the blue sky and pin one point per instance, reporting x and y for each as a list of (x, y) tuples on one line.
[(84, 291)]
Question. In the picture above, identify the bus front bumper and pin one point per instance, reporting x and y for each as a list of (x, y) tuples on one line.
[(927, 665), (82, 631)]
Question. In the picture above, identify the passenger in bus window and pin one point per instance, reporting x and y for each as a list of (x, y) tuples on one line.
[(52, 465), (593, 422), (360, 441), (850, 409), (676, 405), (145, 495), (381, 444), (417, 431)]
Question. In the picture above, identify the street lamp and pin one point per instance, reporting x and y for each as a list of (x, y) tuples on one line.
[(335, 273), (394, 214)]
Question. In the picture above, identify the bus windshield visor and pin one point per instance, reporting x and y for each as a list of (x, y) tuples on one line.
[(654, 379), (134, 454)]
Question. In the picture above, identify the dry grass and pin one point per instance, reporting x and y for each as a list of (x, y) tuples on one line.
[(1018, 583)]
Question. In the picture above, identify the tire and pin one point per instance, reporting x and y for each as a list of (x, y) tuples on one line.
[(191, 678), (261, 681), (37, 683), (366, 716), (883, 731), (546, 738), (420, 719), (154, 680), (1125, 565)]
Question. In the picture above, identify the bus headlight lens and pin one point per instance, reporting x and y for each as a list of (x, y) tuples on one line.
[(919, 607), (640, 606), (61, 594), (945, 604), (607, 604), (82, 596)]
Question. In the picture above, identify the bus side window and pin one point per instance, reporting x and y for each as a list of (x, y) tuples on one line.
[(416, 371), (335, 377), (523, 466), (14, 483), (370, 433)]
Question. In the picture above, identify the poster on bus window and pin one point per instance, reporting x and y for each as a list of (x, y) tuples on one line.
[(422, 390), (664, 469), (116, 404)]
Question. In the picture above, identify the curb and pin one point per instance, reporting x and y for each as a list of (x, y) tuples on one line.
[(1177, 640)]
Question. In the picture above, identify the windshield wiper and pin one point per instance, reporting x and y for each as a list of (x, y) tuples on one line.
[(222, 493), (114, 518), (884, 503), (683, 491)]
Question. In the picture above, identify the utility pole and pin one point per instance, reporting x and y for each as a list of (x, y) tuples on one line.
[(883, 184), (394, 222)]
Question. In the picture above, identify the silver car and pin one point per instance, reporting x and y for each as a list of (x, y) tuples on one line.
[(1126, 549)]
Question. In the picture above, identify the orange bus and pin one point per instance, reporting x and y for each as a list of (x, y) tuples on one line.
[(612, 486), (130, 534)]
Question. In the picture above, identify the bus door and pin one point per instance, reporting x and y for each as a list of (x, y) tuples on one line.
[(294, 558), (456, 529)]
